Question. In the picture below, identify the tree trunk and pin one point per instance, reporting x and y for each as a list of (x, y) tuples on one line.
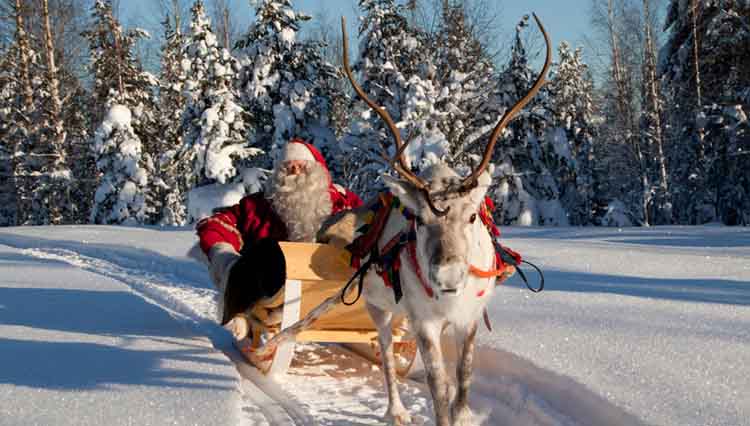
[(696, 57), (623, 86), (52, 75), (652, 93), (55, 123), (22, 40)]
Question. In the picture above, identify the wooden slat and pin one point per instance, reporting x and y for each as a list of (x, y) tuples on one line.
[(341, 336), (312, 262)]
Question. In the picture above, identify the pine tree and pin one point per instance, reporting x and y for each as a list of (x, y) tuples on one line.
[(527, 193), (465, 75), (707, 80), (81, 157), (215, 141), (120, 197), (118, 74), (285, 81), (652, 127), (173, 168), (397, 73), (42, 177), (8, 106), (120, 83), (571, 136)]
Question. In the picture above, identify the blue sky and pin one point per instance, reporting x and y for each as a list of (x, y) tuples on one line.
[(564, 19)]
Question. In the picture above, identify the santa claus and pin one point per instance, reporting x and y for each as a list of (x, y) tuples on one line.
[(241, 241)]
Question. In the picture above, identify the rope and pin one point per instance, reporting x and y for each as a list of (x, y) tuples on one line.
[(523, 277), (361, 274)]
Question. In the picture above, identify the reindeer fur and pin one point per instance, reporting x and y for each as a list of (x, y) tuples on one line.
[(445, 248)]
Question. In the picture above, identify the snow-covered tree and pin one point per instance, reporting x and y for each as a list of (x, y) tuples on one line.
[(117, 72), (215, 141), (8, 106), (120, 197), (706, 79), (41, 172), (652, 127), (396, 72), (527, 193), (285, 81), (465, 75), (173, 169), (81, 158), (119, 80), (571, 136), (622, 162)]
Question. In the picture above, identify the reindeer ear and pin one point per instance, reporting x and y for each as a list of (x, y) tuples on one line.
[(404, 190), (478, 193)]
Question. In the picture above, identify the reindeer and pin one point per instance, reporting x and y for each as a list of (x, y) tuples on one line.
[(439, 265)]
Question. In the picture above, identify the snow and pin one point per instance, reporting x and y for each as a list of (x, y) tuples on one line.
[(203, 200), (118, 116), (115, 325)]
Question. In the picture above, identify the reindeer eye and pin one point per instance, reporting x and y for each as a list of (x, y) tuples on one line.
[(473, 218)]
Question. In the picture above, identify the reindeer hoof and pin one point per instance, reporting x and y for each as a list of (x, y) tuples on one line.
[(401, 418)]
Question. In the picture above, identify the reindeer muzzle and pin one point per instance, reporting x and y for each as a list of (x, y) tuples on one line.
[(449, 279)]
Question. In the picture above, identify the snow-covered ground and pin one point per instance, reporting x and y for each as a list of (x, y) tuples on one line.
[(115, 325)]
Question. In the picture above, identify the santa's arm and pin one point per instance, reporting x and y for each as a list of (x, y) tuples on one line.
[(352, 200), (343, 199), (220, 228)]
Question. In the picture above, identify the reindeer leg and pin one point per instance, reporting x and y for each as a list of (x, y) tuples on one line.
[(396, 412), (428, 339), (460, 411)]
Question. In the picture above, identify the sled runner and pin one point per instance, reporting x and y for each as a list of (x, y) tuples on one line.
[(316, 275)]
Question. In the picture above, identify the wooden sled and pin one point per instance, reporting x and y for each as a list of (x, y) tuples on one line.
[(316, 275)]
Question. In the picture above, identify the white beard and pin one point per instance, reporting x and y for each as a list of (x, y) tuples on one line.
[(301, 201)]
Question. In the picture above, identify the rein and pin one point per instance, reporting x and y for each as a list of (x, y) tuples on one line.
[(387, 260)]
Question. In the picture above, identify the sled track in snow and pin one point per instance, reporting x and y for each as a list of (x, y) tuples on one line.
[(258, 392), (507, 389)]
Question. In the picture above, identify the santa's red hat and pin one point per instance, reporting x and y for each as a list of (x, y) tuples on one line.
[(298, 149)]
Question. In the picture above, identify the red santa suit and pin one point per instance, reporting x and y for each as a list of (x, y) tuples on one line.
[(234, 229), (253, 217)]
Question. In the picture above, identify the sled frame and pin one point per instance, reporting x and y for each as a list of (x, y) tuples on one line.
[(315, 273)]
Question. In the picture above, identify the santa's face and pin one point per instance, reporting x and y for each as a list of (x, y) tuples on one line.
[(299, 195), (295, 167)]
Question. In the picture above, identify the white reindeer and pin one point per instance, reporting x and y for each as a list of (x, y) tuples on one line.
[(438, 288)]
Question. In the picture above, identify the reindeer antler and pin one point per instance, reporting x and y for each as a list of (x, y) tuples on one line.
[(398, 162), (509, 115)]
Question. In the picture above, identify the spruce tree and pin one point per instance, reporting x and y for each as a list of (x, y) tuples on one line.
[(286, 84), (571, 89), (465, 75), (8, 106), (173, 168), (40, 171), (527, 193), (120, 83), (707, 81), (120, 197), (214, 138), (396, 72)]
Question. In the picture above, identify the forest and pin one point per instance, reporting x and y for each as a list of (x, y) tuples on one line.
[(107, 123)]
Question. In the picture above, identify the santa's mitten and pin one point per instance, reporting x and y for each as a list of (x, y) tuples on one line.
[(260, 272)]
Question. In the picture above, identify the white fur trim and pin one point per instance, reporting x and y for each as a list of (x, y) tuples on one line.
[(341, 190), (297, 151)]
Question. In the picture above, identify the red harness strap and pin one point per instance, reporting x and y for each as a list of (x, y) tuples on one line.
[(411, 248)]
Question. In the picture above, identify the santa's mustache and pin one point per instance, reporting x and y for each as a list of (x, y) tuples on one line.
[(288, 182)]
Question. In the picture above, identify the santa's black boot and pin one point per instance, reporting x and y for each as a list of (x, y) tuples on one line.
[(259, 273)]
